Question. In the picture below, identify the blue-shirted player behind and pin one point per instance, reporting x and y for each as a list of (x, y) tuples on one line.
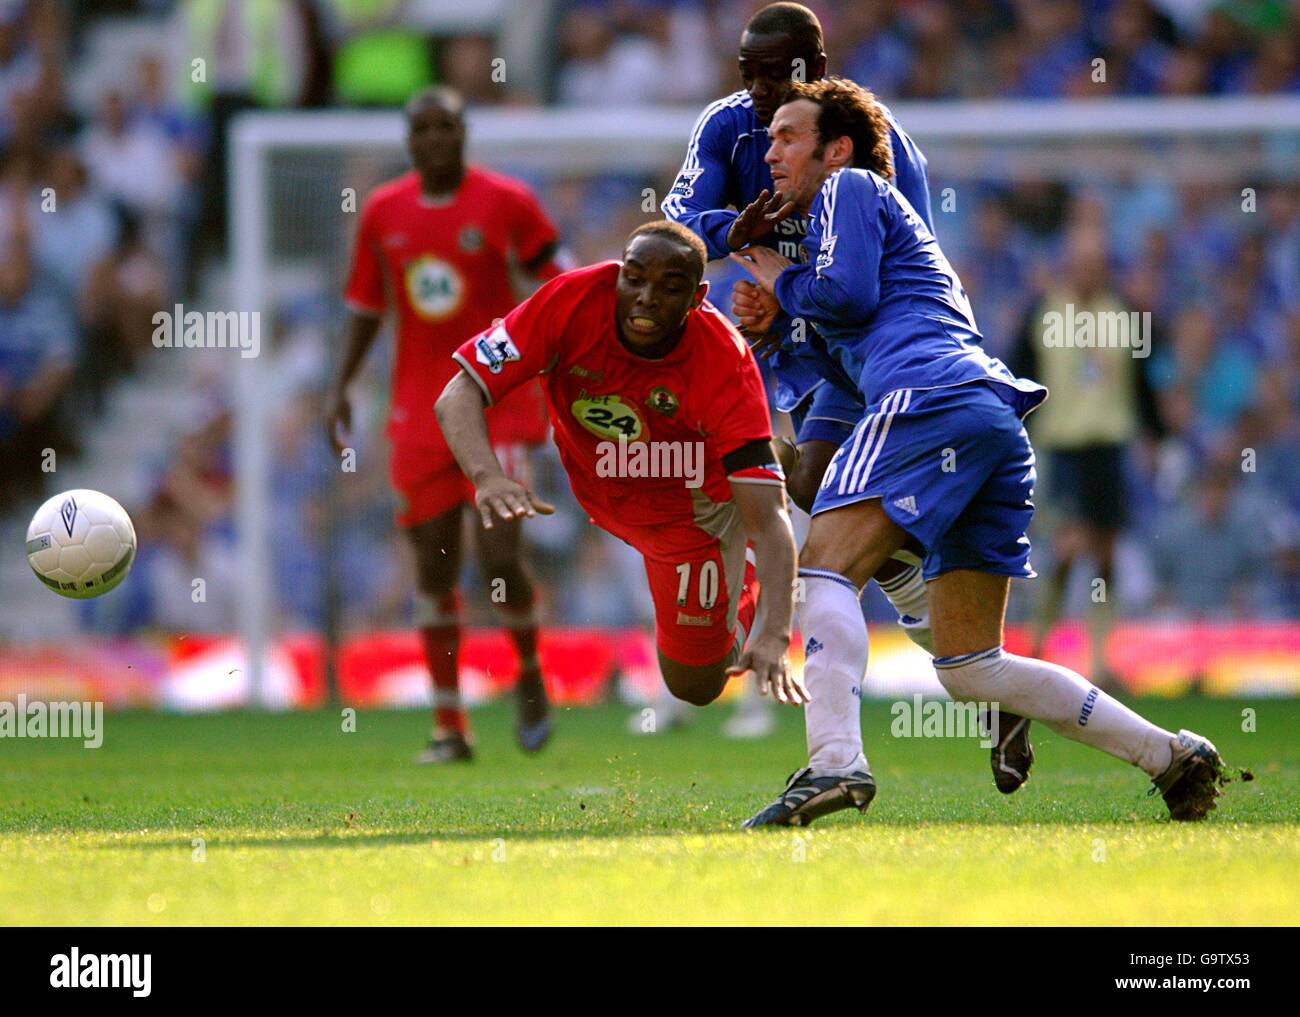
[(724, 193), (941, 455)]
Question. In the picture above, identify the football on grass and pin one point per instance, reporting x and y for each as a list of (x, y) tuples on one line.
[(81, 544)]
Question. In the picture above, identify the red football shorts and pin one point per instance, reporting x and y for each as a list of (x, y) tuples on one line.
[(697, 597)]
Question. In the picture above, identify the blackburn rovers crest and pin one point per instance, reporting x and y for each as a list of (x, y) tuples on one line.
[(663, 400)]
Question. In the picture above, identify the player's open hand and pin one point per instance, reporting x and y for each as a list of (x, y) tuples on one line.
[(508, 499), (764, 264), (766, 657), (758, 218)]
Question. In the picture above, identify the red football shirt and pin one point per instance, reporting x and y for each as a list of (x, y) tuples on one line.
[(447, 266), (707, 392)]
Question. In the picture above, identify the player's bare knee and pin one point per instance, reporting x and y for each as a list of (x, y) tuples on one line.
[(697, 693), (696, 684)]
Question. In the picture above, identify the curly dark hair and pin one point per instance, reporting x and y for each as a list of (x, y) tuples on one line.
[(846, 109)]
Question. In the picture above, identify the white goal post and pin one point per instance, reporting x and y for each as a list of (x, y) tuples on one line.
[(1114, 135)]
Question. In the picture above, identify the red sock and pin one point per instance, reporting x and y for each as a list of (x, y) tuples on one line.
[(441, 641)]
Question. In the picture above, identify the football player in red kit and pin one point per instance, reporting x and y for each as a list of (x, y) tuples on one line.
[(444, 245), (661, 420)]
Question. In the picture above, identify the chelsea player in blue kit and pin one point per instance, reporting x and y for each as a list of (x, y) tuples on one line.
[(724, 166), (940, 455)]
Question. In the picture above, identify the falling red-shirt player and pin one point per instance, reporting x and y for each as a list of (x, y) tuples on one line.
[(630, 354), (444, 245)]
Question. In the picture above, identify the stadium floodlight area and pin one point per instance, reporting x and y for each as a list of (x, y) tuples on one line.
[(297, 181)]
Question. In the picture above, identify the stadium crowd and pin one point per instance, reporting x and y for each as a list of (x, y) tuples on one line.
[(112, 198), (965, 49)]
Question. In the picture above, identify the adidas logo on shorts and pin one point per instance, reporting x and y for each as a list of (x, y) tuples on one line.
[(907, 504)]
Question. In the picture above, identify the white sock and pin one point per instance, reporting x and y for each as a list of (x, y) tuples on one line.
[(835, 661), (1056, 696), (906, 591)]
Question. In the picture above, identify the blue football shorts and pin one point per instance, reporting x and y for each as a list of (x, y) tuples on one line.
[(952, 466)]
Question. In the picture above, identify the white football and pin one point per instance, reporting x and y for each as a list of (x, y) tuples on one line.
[(81, 544)]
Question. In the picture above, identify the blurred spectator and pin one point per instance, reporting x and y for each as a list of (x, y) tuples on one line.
[(300, 479), (251, 53), (380, 59), (31, 64), (188, 139), (1271, 431), (1281, 244), (124, 293), (152, 103), (948, 61), (175, 551), (1136, 61), (242, 54), (20, 67), (37, 357), (466, 66), (875, 50), (1186, 72), (1056, 50), (1202, 240), (1226, 45), (994, 269), (73, 228), (1082, 342), (600, 68), (1205, 385), (1248, 308), (1209, 549), (133, 164), (660, 55)]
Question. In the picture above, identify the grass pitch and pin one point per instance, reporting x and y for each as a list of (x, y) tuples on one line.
[(252, 819)]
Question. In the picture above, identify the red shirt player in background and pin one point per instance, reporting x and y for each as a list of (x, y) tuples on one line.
[(444, 244), (661, 420)]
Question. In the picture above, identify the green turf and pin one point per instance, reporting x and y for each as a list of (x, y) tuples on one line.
[(242, 818)]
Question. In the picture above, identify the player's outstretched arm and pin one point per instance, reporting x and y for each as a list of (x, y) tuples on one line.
[(362, 329), (460, 411), (767, 521)]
